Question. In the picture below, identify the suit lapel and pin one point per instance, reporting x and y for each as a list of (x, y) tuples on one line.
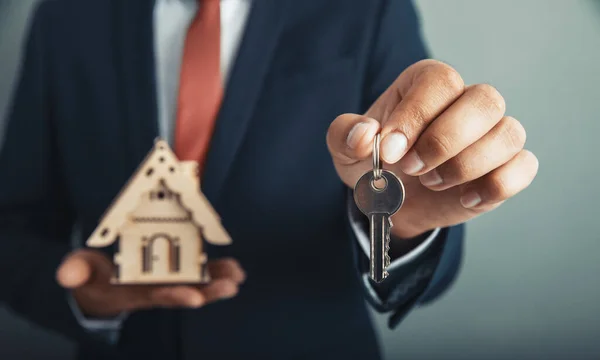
[(136, 66), (262, 31)]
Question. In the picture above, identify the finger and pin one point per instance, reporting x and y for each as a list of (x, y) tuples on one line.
[(494, 149), (349, 137), (174, 296), (82, 267), (502, 183), (219, 289), (74, 272), (192, 297), (227, 268), (137, 297), (432, 88), (462, 124)]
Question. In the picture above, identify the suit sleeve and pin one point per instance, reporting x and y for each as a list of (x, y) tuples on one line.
[(397, 43), (36, 215)]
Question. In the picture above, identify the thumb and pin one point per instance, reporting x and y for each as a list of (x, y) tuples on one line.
[(76, 270), (350, 138)]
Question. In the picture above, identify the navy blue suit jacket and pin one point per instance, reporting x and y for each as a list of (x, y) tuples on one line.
[(84, 115)]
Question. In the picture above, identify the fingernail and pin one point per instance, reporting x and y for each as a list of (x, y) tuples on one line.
[(356, 134), (470, 199), (412, 163), (431, 178), (393, 147)]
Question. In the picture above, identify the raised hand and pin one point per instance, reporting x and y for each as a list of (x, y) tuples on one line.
[(452, 145)]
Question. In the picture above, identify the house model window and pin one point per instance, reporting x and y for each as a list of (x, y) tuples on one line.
[(160, 220)]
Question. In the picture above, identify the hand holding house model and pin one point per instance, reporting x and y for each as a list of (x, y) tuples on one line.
[(159, 221)]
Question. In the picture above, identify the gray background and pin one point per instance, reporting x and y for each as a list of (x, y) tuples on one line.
[(527, 289)]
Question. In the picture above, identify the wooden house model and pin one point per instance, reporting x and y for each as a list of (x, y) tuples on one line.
[(159, 221)]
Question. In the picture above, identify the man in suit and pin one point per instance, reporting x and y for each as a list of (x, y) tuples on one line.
[(279, 101)]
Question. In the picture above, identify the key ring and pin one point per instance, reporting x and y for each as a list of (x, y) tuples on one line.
[(376, 162)]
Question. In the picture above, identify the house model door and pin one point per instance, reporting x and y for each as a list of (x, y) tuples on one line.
[(160, 255)]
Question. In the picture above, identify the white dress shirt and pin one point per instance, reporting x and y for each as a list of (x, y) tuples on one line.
[(171, 21)]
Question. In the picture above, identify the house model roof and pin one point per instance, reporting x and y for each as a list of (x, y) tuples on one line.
[(181, 177)]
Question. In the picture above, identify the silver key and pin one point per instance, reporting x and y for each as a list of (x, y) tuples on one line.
[(379, 194)]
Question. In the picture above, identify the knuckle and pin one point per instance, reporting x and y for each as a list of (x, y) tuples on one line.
[(488, 99), (456, 169), (419, 113), (444, 78), (436, 144), (426, 62), (499, 188), (513, 133), (450, 78)]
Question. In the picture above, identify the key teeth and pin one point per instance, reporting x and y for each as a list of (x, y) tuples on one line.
[(387, 259), (387, 247)]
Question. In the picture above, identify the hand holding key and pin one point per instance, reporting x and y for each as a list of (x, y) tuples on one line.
[(379, 194), (452, 146)]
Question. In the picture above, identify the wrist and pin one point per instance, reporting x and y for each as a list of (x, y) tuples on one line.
[(94, 323), (402, 245), (404, 231), (92, 308)]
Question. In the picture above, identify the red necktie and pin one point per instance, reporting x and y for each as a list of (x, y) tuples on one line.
[(200, 84)]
